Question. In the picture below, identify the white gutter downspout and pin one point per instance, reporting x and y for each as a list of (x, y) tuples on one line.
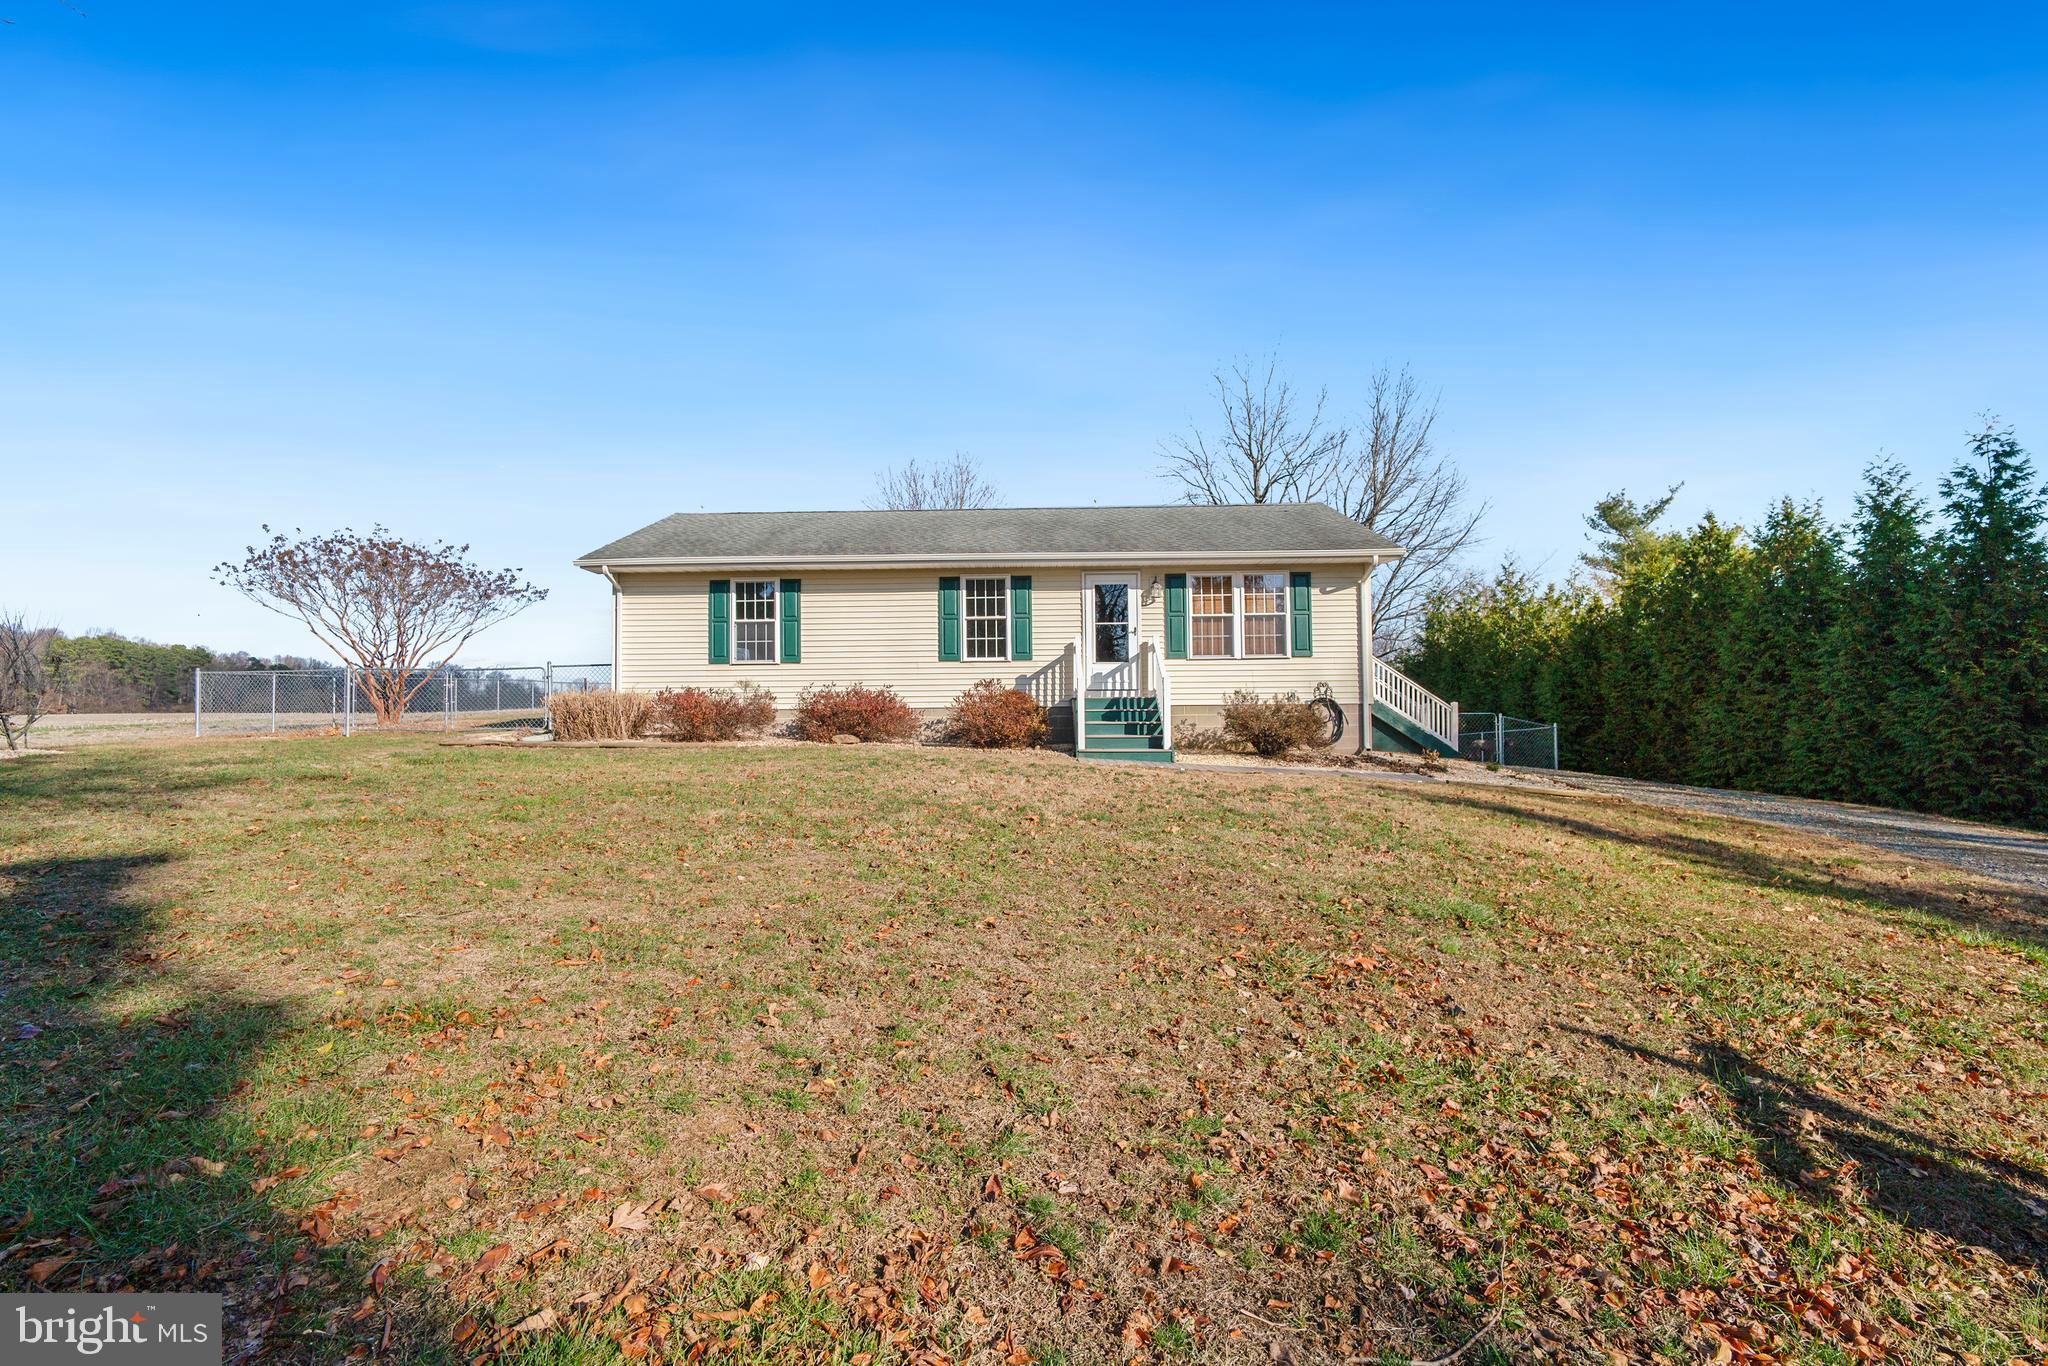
[(1365, 658), (606, 570)]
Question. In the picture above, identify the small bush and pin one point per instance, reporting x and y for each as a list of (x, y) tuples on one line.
[(991, 716), (600, 715), (713, 713), (1273, 726), (863, 713)]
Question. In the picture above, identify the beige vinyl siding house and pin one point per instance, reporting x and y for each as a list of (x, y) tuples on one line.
[(1122, 616)]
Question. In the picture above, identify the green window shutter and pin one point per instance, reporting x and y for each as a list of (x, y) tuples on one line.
[(1020, 616), (1298, 599), (949, 617), (1176, 616), (721, 621), (792, 595)]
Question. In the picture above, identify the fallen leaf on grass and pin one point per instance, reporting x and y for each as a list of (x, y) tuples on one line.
[(632, 1218), (493, 1258), (536, 1322), (48, 1267)]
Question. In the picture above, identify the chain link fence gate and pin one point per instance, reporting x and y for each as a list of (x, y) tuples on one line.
[(1491, 737), (508, 698)]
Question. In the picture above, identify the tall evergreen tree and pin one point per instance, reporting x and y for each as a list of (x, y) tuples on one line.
[(1878, 666), (1991, 656), (1771, 730)]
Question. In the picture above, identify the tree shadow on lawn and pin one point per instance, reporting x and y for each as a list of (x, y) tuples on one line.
[(123, 1163), (1803, 1138), (2008, 913)]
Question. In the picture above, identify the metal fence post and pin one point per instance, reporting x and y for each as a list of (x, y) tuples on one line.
[(447, 700), (1553, 746), (348, 715), (547, 693), (1500, 737), (198, 682), (273, 701)]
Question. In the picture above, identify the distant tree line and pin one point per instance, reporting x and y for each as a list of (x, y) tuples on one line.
[(1900, 660), (105, 672)]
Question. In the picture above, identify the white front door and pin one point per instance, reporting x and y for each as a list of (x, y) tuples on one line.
[(1110, 608)]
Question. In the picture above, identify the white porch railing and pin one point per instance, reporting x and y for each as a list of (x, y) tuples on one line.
[(1077, 651), (1153, 682), (1408, 699)]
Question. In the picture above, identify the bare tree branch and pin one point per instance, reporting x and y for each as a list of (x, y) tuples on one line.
[(1390, 477), (399, 610), (1272, 448), (958, 483), (24, 677)]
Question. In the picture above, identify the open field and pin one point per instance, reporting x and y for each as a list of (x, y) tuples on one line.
[(878, 1054)]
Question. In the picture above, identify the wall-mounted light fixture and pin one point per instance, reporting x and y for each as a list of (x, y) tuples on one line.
[(1152, 591)]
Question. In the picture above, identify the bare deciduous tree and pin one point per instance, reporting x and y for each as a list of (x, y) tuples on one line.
[(1384, 473), (24, 677), (1390, 478), (398, 610), (958, 483), (1273, 448)]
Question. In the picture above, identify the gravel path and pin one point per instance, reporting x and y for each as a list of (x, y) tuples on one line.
[(2016, 856)]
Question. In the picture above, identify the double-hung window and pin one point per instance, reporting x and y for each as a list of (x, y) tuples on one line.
[(986, 609), (1211, 616), (1264, 606), (753, 621), (1237, 616)]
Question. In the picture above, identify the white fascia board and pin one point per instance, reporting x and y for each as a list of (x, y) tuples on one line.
[(1143, 559)]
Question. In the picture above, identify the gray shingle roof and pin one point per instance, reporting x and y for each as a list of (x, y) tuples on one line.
[(1178, 531)]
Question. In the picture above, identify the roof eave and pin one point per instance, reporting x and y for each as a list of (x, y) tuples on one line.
[(1355, 555)]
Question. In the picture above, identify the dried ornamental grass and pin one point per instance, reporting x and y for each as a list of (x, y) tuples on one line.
[(600, 715)]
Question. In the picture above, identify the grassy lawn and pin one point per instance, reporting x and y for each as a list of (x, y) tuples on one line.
[(890, 1055)]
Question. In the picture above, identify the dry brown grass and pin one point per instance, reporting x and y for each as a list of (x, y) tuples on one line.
[(814, 1053), (603, 715)]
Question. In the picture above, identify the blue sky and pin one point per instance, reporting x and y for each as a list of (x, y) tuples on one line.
[(530, 275)]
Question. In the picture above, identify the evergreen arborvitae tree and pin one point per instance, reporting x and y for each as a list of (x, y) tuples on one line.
[(1991, 622), (1878, 666), (1899, 669), (1773, 731)]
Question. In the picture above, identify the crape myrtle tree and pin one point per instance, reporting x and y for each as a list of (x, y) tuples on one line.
[(398, 610)]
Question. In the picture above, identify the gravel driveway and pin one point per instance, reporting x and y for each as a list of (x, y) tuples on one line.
[(2016, 856)]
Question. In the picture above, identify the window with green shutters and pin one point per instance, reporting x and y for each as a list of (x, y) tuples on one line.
[(1176, 616), (721, 621), (792, 621), (949, 617), (1020, 616)]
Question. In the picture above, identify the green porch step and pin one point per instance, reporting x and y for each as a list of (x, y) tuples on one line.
[(1123, 728), (1152, 741), (1130, 756)]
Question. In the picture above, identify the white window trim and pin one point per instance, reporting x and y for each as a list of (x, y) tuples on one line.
[(1009, 606), (1237, 578), (774, 624)]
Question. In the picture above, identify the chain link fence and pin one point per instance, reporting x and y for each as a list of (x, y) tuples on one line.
[(1491, 737), (510, 698)]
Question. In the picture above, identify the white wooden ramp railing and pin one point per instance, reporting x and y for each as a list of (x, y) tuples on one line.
[(1412, 702)]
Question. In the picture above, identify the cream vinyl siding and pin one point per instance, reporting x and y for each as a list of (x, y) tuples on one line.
[(881, 627)]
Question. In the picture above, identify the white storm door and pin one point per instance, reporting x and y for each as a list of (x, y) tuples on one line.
[(1110, 608)]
